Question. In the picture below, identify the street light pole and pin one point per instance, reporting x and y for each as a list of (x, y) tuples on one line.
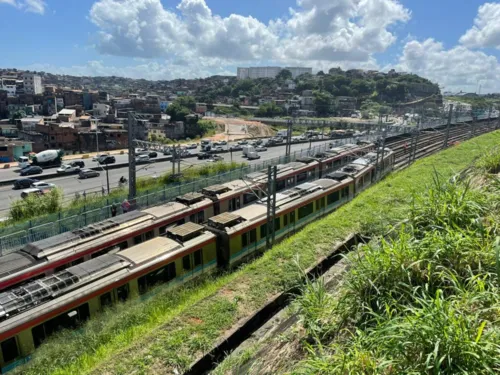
[(107, 177)]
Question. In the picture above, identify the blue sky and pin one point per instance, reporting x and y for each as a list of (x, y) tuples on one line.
[(455, 43)]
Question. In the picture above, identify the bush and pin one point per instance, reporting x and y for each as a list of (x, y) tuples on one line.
[(36, 205)]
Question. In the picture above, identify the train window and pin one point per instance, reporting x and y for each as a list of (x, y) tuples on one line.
[(201, 217), (10, 350), (292, 217), (122, 292), (78, 261), (263, 230), (181, 221), (253, 235), (318, 204), (186, 263), (305, 211), (302, 177), (280, 185), (285, 220), (60, 268), (238, 204), (137, 240), (192, 218), (332, 198), (106, 300), (216, 208), (143, 285), (99, 253), (345, 192), (149, 235), (249, 198), (163, 230), (123, 245), (244, 240), (277, 224), (197, 257)]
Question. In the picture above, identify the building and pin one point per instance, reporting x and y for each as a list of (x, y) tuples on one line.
[(67, 115), (30, 123), (32, 83), (9, 85), (269, 72), (60, 136), (101, 110), (11, 150), (346, 105), (73, 97)]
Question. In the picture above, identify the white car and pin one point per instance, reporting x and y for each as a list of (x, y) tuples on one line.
[(41, 185), (218, 149), (66, 168), (142, 159), (98, 156), (253, 156), (260, 148), (192, 146)]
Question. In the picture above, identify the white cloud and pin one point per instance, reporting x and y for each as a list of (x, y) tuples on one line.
[(458, 68), (33, 6), (486, 29), (317, 32)]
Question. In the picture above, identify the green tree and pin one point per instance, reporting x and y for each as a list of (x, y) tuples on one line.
[(283, 75), (269, 110), (323, 102), (186, 101), (177, 112)]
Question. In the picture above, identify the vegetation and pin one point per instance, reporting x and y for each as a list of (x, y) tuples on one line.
[(37, 206), (165, 337)]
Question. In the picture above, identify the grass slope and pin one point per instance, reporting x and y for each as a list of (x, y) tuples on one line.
[(166, 337)]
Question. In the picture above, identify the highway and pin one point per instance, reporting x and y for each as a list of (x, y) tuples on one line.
[(70, 184)]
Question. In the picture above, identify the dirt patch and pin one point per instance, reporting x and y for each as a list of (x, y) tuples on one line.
[(237, 128)]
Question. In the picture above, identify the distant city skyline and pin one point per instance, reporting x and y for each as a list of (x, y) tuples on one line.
[(453, 43)]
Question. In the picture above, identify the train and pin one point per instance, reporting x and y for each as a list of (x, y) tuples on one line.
[(53, 254), (31, 312)]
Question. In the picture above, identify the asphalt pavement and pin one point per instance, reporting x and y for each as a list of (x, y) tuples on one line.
[(70, 184)]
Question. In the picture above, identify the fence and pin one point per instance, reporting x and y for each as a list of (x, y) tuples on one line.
[(16, 236)]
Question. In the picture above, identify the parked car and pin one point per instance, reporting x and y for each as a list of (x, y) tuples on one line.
[(31, 170), (42, 185), (260, 148), (88, 173), (99, 156), (215, 158), (141, 159), (24, 183), (108, 159), (218, 149), (192, 146), (243, 142), (167, 151), (223, 143), (151, 154), (77, 163), (253, 156), (259, 141), (67, 169), (235, 148), (203, 155)]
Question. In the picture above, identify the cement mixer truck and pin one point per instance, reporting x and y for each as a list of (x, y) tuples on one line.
[(48, 158)]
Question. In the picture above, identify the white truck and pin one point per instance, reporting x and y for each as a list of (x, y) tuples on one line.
[(253, 155), (282, 133), (248, 149)]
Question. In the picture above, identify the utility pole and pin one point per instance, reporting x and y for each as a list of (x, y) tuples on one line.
[(174, 158), (414, 156), (447, 136), (107, 176), (97, 135), (271, 205), (131, 157), (178, 160), (289, 138)]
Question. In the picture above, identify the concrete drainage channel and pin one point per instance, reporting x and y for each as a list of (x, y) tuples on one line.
[(241, 333)]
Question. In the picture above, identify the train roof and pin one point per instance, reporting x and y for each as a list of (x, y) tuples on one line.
[(282, 169), (53, 246), (14, 262)]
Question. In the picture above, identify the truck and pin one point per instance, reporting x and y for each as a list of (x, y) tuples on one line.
[(282, 133), (253, 155), (48, 158), (247, 150)]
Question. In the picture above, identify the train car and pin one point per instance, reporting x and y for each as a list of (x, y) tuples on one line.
[(31, 313), (56, 253), (243, 232)]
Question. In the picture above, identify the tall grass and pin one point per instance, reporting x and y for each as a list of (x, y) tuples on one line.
[(36, 205)]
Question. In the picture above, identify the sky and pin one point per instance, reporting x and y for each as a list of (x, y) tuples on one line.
[(455, 43)]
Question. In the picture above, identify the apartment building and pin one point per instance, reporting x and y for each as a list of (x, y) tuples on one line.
[(32, 83), (269, 72)]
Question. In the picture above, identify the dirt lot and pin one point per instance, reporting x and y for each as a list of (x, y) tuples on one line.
[(236, 128)]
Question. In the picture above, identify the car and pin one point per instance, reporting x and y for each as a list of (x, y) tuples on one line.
[(141, 159), (203, 155), (87, 173), (243, 142), (218, 149), (108, 159), (215, 158), (223, 143), (153, 154), (42, 185), (33, 191), (31, 170), (67, 168), (167, 151), (278, 139), (24, 183), (235, 148), (253, 156), (260, 148), (77, 163), (259, 141), (252, 143), (192, 146), (99, 156)]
